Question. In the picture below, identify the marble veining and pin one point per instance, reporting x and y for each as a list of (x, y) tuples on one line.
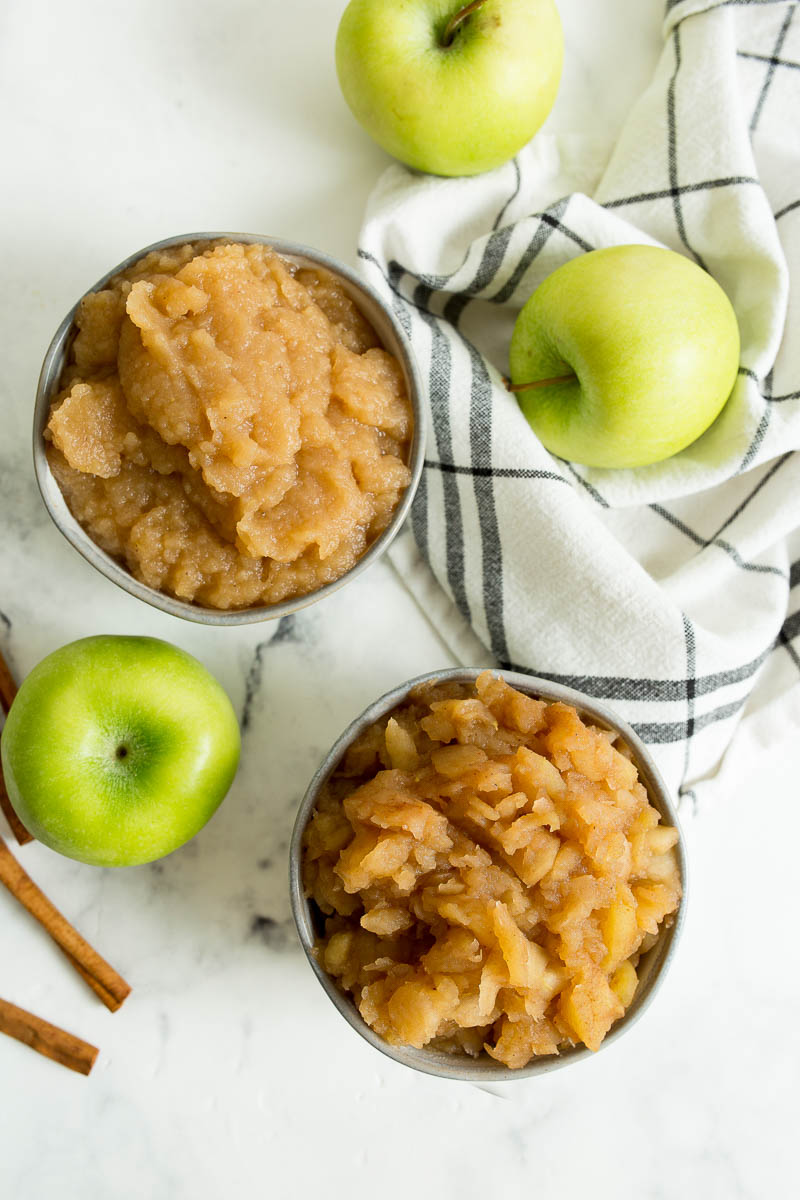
[(287, 630), (275, 934)]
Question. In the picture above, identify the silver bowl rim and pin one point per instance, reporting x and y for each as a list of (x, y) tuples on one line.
[(484, 1069), (67, 524)]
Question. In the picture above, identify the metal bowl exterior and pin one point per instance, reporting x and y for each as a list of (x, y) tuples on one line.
[(484, 1069), (392, 337)]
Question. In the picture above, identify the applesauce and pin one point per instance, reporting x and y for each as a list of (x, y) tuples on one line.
[(488, 871), (229, 426)]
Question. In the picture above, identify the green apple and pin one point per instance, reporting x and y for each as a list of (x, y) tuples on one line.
[(447, 86), (624, 356), (117, 750)]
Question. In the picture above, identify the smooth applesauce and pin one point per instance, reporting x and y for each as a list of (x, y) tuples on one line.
[(489, 871), (229, 426)]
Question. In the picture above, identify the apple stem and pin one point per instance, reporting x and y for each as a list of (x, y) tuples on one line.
[(538, 383), (456, 21)]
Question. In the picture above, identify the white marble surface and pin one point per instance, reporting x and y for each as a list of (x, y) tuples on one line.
[(228, 1073)]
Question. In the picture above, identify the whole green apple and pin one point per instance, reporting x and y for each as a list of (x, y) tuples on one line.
[(447, 86), (117, 750), (624, 356)]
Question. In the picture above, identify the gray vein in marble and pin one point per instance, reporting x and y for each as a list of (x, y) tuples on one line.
[(273, 933), (164, 1026), (286, 632)]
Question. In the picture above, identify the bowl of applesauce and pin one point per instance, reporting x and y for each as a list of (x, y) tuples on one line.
[(229, 426), (487, 875)]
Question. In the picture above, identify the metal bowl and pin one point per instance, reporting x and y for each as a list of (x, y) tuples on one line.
[(392, 338), (484, 1069)]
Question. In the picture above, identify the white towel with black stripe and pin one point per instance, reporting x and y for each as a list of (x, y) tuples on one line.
[(673, 591)]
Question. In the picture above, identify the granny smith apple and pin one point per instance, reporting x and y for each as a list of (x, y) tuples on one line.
[(450, 87), (117, 750), (624, 356)]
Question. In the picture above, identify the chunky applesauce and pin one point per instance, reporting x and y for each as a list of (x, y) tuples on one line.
[(229, 426), (489, 871)]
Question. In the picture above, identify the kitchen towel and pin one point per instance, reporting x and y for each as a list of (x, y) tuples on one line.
[(672, 592)]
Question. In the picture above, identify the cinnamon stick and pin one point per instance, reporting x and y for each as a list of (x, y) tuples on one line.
[(112, 1002), (107, 983), (15, 825), (8, 690), (47, 1039)]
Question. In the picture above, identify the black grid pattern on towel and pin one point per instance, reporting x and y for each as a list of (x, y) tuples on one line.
[(405, 287), (772, 61), (700, 698), (671, 4)]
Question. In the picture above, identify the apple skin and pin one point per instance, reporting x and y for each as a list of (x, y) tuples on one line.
[(87, 701), (653, 341), (455, 110)]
